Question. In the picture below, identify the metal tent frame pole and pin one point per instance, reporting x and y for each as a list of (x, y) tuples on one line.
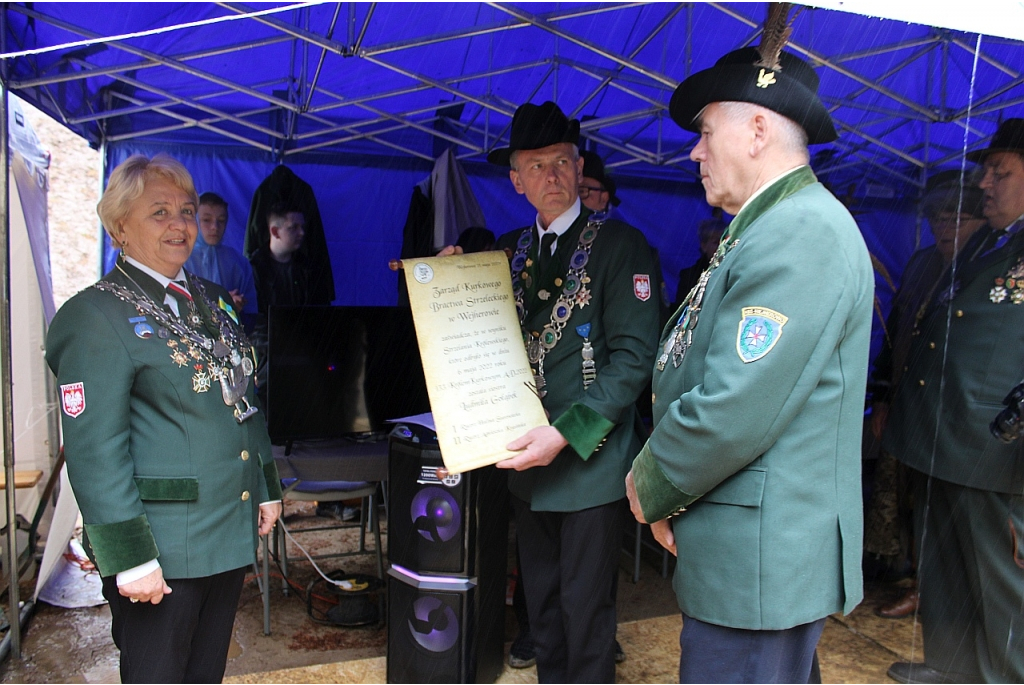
[(6, 391)]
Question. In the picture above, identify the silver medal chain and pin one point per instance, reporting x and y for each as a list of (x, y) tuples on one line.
[(223, 357), (574, 293), (682, 334)]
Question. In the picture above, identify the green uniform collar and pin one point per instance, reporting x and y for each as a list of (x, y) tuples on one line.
[(149, 285), (795, 180)]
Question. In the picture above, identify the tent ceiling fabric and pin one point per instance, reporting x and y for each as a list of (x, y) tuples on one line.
[(410, 78)]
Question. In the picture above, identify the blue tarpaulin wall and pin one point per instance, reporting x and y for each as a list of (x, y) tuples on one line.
[(364, 209), (358, 98)]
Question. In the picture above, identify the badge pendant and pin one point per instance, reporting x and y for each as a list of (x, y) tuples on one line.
[(587, 352), (538, 379), (682, 343), (589, 366)]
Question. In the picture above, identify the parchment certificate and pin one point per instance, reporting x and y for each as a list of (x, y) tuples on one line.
[(478, 377)]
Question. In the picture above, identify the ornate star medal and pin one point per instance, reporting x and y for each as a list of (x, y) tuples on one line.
[(1010, 286), (201, 380), (179, 358)]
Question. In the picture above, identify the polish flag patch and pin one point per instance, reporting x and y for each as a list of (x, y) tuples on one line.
[(72, 399), (642, 287)]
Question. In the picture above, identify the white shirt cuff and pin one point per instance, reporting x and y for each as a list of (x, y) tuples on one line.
[(273, 501), (133, 574)]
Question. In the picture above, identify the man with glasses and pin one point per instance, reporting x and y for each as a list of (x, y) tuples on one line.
[(967, 352), (597, 190)]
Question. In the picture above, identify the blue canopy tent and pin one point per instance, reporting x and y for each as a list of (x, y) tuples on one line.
[(360, 98)]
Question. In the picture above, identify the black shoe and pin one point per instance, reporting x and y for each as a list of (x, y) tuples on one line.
[(906, 672), (522, 654), (620, 656)]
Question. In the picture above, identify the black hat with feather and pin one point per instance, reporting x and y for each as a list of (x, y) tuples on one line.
[(766, 76)]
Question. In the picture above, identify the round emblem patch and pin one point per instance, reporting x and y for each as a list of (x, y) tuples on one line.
[(423, 273)]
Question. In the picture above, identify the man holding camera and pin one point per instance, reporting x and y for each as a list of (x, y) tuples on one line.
[(967, 353)]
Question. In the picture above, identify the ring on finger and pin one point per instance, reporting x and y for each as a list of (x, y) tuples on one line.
[(134, 600)]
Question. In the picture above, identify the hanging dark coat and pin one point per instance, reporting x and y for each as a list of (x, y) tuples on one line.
[(283, 185)]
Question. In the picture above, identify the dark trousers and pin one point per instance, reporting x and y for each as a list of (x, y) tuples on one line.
[(716, 654), (184, 638), (569, 561), (971, 584)]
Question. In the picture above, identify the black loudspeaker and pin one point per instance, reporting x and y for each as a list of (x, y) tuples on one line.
[(457, 526), (448, 549), (444, 630)]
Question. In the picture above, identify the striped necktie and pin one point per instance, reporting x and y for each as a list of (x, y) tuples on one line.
[(179, 291)]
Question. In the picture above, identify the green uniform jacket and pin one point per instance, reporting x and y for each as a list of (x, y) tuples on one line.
[(951, 391), (159, 470), (765, 454), (601, 422)]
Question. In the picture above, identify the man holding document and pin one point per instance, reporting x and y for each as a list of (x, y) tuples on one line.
[(583, 290)]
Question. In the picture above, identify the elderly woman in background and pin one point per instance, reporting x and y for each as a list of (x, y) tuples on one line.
[(169, 459)]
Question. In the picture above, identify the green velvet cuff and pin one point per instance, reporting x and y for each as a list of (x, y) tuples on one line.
[(583, 428), (273, 481), (120, 546), (659, 498), (167, 489)]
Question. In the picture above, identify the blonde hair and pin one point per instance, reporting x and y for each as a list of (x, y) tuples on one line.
[(128, 182)]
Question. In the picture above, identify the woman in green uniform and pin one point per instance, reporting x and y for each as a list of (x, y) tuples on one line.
[(167, 453)]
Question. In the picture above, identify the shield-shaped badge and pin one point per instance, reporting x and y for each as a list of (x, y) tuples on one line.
[(72, 399), (642, 287), (760, 328)]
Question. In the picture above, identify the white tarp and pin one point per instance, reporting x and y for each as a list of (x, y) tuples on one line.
[(1003, 18), (32, 308)]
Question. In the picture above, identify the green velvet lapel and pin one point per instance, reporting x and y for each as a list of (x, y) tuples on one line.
[(795, 180), (149, 285)]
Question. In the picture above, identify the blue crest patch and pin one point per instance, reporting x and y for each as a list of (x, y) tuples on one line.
[(583, 330), (760, 328)]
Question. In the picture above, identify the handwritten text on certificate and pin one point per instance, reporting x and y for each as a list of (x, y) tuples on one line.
[(477, 373)]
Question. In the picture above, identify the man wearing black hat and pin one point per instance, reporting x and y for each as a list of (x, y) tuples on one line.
[(967, 351), (752, 472), (597, 189), (954, 214), (583, 287)]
